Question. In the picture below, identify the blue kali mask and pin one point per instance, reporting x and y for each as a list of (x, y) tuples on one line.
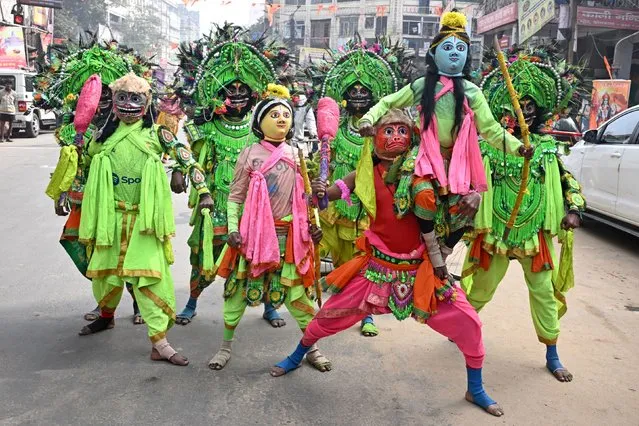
[(450, 56)]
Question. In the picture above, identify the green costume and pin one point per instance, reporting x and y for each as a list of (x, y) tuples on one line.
[(379, 68), (127, 222), (545, 85), (57, 86), (211, 82)]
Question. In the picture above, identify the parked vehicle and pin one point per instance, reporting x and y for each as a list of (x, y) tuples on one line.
[(606, 163), (29, 119)]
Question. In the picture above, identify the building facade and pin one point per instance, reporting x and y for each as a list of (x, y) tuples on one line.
[(315, 25), (600, 25)]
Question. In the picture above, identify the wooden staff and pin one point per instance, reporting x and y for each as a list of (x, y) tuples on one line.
[(525, 135), (312, 212)]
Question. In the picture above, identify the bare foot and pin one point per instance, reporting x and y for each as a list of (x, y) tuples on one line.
[(277, 371), (494, 409), (175, 359), (562, 375), (276, 323)]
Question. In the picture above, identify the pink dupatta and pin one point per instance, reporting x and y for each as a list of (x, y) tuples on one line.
[(466, 169), (257, 227)]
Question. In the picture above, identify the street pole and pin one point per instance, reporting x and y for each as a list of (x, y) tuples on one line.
[(572, 42)]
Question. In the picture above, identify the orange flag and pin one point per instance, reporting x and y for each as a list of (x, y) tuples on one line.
[(607, 64), (270, 11), (332, 8), (380, 11)]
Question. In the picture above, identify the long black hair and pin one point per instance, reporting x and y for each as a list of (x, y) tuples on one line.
[(432, 77)]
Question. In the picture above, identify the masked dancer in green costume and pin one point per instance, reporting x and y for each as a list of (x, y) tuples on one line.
[(551, 207), (222, 76), (127, 215), (358, 76), (59, 82)]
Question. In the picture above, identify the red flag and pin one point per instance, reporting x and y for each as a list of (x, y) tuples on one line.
[(332, 8), (320, 8), (380, 11)]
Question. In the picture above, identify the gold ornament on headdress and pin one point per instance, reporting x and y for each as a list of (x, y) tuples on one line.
[(276, 91)]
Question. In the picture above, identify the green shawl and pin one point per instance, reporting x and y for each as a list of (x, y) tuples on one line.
[(98, 206)]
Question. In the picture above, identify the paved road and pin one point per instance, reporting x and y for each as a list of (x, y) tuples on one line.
[(407, 375)]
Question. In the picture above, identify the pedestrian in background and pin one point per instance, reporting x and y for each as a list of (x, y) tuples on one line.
[(8, 104), (304, 119)]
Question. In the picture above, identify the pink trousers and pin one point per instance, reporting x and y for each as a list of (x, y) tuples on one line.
[(457, 321)]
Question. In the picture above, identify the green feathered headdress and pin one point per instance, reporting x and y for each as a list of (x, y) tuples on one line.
[(213, 62), (69, 66), (539, 73), (382, 67)]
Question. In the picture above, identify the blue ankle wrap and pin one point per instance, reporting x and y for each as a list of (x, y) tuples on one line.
[(552, 359), (294, 360), (368, 320), (270, 313), (476, 388), (189, 309), (192, 303)]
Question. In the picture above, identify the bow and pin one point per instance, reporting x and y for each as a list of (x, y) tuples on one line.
[(525, 135)]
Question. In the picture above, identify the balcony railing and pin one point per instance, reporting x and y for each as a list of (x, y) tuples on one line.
[(422, 10)]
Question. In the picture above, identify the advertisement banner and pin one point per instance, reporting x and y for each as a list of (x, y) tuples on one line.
[(498, 18), (12, 52), (609, 97), (533, 15), (617, 19)]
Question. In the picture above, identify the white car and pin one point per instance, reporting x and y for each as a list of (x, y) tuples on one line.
[(606, 163), (29, 118)]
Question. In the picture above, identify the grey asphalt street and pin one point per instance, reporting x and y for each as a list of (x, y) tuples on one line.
[(408, 375)]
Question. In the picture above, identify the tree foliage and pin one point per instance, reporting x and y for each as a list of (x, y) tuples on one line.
[(140, 31), (77, 16)]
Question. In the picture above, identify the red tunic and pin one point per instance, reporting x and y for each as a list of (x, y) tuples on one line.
[(399, 235)]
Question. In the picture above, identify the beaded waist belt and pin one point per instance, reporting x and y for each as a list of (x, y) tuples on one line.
[(400, 274)]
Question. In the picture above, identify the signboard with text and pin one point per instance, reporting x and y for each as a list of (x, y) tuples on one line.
[(498, 18), (533, 15), (618, 19)]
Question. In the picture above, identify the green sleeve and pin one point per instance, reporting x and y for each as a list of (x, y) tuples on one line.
[(181, 153), (403, 98), (574, 199), (489, 129), (233, 216)]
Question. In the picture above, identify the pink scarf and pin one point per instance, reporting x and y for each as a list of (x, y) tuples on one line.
[(466, 169), (257, 227)]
